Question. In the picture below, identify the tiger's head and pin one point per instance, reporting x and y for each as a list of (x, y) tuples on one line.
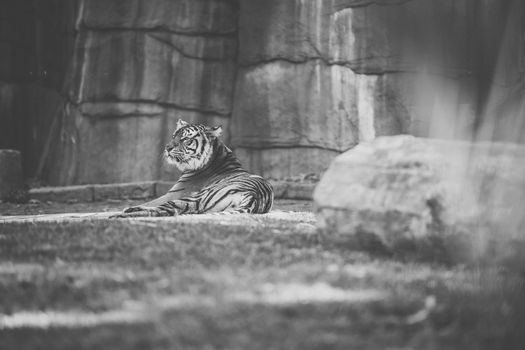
[(191, 146)]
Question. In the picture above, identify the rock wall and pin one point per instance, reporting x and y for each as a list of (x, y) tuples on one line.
[(325, 75), (139, 67), (295, 82)]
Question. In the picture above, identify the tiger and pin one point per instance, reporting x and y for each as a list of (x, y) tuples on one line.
[(212, 179)]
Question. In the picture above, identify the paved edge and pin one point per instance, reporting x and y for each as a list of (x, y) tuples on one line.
[(145, 190)]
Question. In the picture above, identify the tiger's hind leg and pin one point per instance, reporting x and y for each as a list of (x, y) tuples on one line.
[(247, 205)]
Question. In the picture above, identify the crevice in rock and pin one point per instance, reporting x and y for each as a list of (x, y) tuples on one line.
[(188, 56), (342, 5), (357, 67), (160, 29), (286, 60), (151, 102)]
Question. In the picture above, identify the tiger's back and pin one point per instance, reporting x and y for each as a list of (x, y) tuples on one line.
[(241, 193)]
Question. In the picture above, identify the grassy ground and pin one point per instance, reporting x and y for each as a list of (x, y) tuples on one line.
[(148, 284)]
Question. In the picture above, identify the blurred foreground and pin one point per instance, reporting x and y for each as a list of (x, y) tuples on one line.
[(235, 282)]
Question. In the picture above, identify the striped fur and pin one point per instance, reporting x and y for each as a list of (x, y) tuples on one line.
[(212, 179)]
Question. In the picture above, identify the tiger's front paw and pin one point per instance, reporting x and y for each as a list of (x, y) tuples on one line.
[(140, 211), (138, 208)]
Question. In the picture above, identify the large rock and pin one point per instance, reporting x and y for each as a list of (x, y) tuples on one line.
[(456, 201)]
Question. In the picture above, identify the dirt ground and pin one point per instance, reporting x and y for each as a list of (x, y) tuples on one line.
[(146, 285)]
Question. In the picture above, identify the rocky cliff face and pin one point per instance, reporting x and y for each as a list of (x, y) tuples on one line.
[(295, 82), (141, 66), (325, 75)]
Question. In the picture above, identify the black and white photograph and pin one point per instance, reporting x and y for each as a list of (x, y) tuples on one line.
[(262, 174)]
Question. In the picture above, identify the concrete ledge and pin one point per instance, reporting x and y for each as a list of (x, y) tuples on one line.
[(293, 190), (134, 190), (145, 190), (63, 194), (300, 191)]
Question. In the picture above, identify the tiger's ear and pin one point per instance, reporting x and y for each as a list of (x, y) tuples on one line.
[(215, 131), (180, 123)]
